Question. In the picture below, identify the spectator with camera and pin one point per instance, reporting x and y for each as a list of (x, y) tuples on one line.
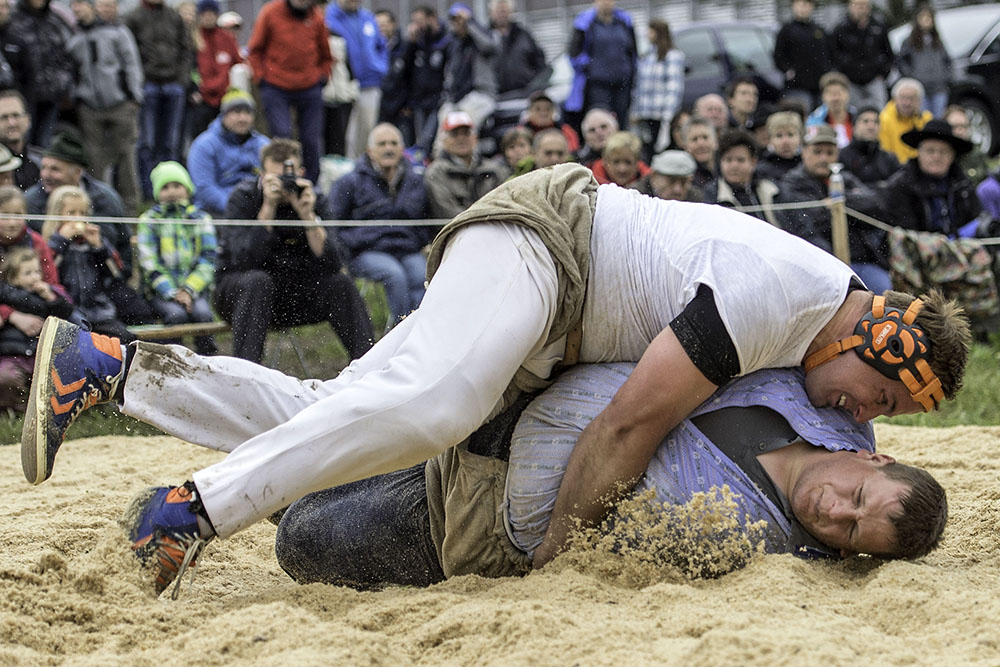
[(280, 275), (470, 78), (425, 56)]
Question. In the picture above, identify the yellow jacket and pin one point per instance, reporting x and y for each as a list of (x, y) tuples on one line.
[(892, 128)]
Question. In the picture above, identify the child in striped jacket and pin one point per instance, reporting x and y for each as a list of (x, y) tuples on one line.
[(178, 257)]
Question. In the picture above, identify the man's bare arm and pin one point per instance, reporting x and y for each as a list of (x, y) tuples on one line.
[(617, 446)]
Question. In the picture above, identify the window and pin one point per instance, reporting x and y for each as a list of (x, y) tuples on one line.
[(748, 49), (699, 50)]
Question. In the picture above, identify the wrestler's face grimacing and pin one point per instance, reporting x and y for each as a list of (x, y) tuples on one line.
[(846, 501), (848, 382)]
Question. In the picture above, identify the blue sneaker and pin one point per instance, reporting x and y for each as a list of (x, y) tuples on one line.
[(162, 524), (74, 370)]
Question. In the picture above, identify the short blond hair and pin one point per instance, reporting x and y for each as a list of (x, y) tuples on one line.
[(784, 120), (55, 206), (622, 141)]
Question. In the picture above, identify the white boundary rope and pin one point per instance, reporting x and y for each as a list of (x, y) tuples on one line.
[(234, 223), (431, 222)]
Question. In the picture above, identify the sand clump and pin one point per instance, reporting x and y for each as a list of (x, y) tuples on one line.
[(71, 592), (644, 542)]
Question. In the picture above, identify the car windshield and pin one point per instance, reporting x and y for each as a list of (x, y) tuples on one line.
[(961, 29), (748, 48)]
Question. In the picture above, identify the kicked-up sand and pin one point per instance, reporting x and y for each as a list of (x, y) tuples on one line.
[(71, 592)]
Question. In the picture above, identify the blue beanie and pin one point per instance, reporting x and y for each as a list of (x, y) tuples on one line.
[(208, 6)]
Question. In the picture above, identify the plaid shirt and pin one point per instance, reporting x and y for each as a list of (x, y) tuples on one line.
[(660, 86)]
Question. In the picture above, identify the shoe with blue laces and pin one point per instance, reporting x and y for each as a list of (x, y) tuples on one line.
[(162, 523), (75, 370)]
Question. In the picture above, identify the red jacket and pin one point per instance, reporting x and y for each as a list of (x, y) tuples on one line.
[(287, 51), (50, 273), (601, 174), (215, 59)]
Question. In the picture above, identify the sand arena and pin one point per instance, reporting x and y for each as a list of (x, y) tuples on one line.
[(71, 593)]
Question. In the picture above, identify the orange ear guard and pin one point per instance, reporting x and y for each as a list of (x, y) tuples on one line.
[(887, 340)]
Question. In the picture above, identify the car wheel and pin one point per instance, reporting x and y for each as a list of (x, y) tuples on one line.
[(982, 125)]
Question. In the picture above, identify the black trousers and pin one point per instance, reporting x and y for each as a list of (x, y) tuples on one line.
[(255, 301), (367, 534), (132, 308)]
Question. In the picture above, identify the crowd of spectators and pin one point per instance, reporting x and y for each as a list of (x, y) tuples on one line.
[(161, 114)]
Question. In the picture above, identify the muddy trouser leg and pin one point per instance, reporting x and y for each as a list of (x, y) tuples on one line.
[(221, 402), (487, 311), (366, 534)]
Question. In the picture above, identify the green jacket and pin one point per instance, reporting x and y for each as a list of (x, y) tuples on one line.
[(177, 255)]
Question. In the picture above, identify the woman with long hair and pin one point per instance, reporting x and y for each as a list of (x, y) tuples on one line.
[(659, 90), (924, 58)]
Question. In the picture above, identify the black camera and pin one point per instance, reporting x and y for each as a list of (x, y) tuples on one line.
[(289, 178)]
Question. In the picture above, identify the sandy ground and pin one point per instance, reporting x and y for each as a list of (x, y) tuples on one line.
[(70, 592)]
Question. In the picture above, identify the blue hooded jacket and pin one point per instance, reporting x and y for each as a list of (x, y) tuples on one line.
[(217, 161), (581, 61), (367, 55)]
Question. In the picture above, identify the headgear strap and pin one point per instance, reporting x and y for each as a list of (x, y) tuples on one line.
[(887, 340)]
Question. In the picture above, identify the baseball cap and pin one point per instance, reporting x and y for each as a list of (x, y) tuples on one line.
[(457, 7), (229, 20), (457, 119), (820, 134)]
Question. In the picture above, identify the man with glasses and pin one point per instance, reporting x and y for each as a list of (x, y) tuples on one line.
[(15, 123), (930, 193), (597, 126)]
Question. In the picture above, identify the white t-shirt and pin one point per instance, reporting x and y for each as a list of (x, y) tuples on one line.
[(774, 291)]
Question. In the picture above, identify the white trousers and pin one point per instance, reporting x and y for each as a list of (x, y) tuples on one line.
[(424, 387), (364, 116)]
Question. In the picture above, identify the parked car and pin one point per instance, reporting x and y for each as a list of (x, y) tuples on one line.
[(971, 35), (715, 53)]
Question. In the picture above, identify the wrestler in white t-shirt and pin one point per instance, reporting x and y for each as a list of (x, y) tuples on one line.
[(648, 256)]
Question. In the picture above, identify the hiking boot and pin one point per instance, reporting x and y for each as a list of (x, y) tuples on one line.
[(74, 370), (162, 523)]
